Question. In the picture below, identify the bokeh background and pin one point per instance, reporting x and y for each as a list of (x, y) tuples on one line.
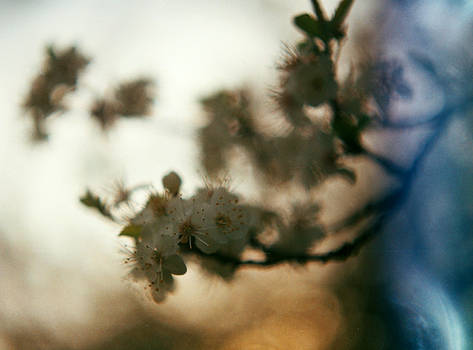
[(62, 283)]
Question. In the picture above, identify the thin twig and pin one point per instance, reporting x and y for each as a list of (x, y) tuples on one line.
[(387, 164)]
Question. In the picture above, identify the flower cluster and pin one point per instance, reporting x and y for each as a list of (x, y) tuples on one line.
[(230, 121), (316, 125), (59, 76), (131, 99), (317, 129), (306, 155), (209, 221)]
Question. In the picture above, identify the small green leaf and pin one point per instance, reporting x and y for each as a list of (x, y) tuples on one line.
[(319, 11), (341, 13), (310, 25), (131, 231), (93, 201)]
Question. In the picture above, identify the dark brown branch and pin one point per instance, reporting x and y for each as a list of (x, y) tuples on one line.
[(387, 164), (342, 253)]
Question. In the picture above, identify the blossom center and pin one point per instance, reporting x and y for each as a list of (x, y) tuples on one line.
[(186, 230), (223, 221)]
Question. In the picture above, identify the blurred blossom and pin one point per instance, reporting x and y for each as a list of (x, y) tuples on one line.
[(59, 75), (131, 99)]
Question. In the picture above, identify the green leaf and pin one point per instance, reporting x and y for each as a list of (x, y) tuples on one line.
[(93, 201), (341, 13), (310, 25), (131, 231), (319, 11)]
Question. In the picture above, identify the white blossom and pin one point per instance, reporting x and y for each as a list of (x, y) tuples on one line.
[(229, 220), (155, 259), (188, 220), (154, 210)]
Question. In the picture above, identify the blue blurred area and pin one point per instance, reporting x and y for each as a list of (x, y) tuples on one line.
[(428, 245)]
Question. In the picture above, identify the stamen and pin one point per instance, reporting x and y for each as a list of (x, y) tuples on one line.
[(201, 240)]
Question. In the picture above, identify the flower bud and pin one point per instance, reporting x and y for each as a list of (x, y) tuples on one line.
[(172, 182)]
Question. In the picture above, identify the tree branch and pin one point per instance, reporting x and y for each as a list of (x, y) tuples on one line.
[(382, 209)]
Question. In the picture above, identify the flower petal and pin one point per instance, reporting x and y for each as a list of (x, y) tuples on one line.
[(175, 265), (206, 244)]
